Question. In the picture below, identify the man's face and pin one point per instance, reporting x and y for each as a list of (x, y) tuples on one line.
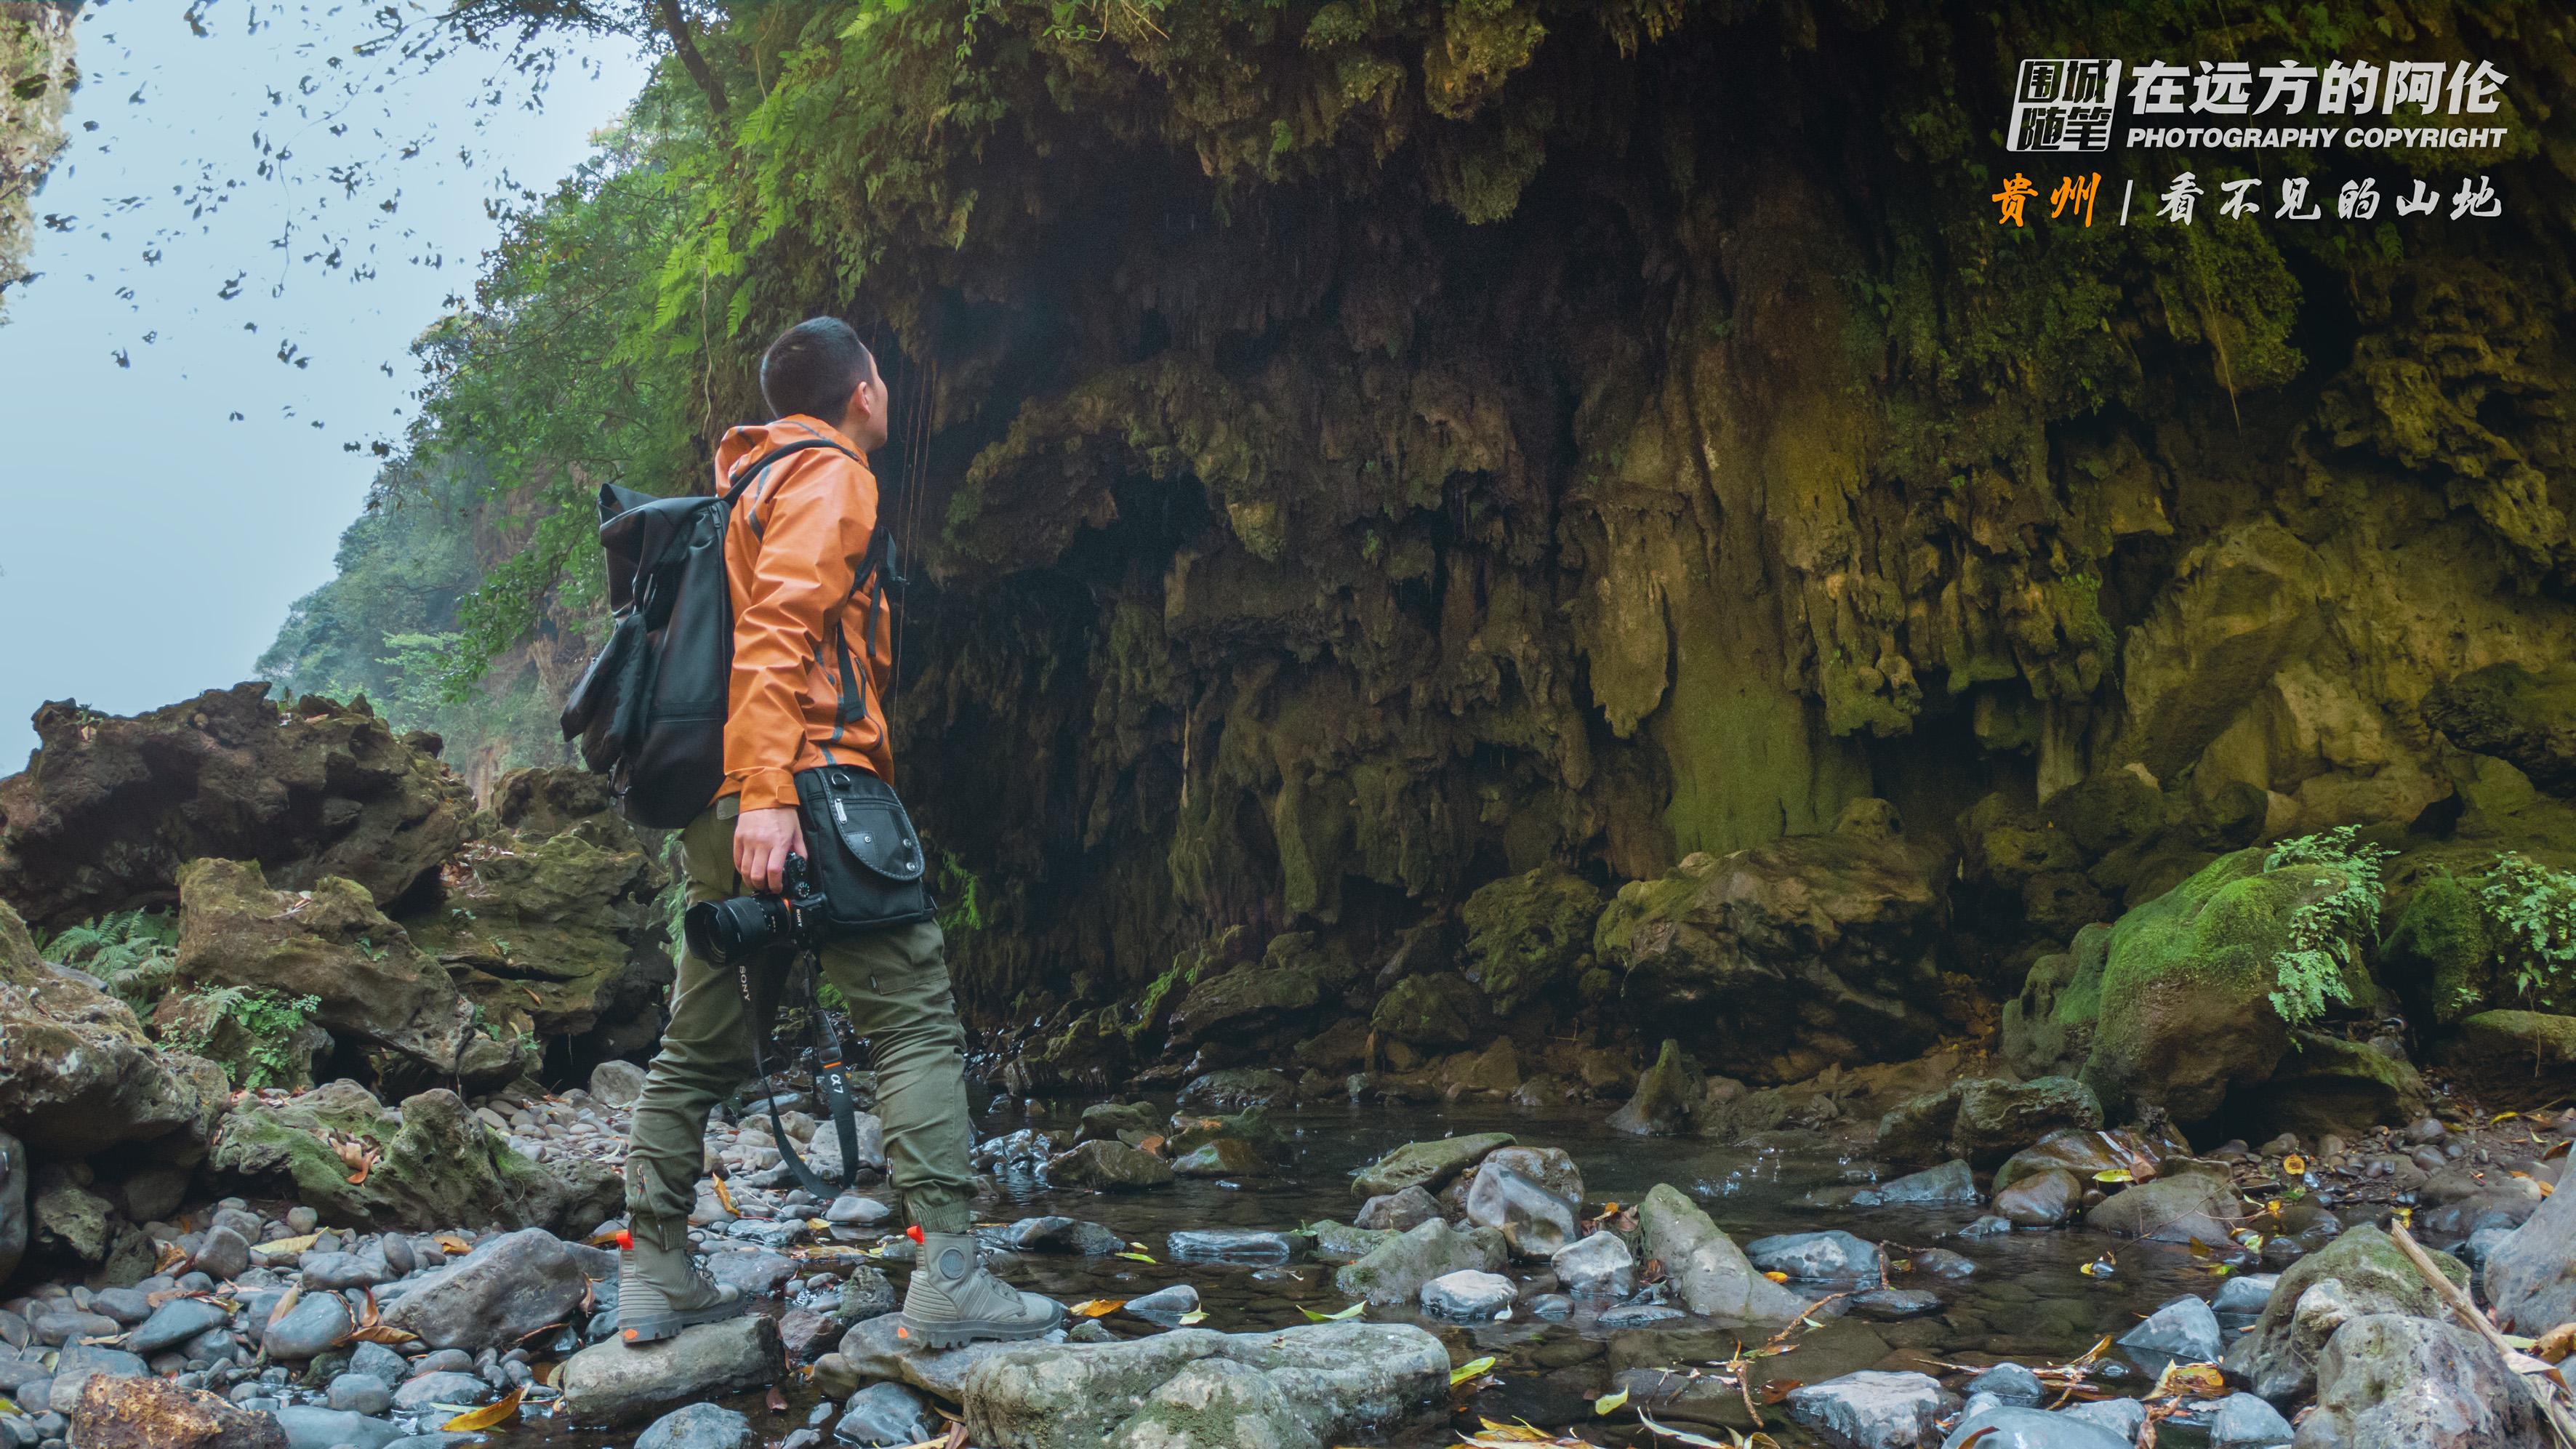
[(871, 434)]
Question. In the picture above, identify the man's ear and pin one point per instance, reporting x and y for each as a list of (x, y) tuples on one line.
[(858, 408)]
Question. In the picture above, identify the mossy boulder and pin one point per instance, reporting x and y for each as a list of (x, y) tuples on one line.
[(79, 1075), (428, 1163), (2184, 1014), (1668, 1095), (2439, 955), (2363, 1271), (2522, 716), (2327, 1084), (369, 982), (1244, 1006), (263, 1042), (1528, 935), (1442, 1009), (1426, 1165), (1983, 1120), (2513, 1057), (1775, 962)]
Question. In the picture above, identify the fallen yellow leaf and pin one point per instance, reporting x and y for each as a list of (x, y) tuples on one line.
[(275, 1246), (1776, 1277), (452, 1244), (1345, 1315), (1610, 1403), (1474, 1368), (1097, 1307), (724, 1195), (2115, 1174), (2294, 1165), (487, 1417), (1193, 1317)]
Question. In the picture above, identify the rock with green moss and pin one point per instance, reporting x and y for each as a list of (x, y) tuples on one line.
[(1438, 1010), (2184, 1010), (551, 921), (259, 1038), (79, 1075), (2513, 1056), (1091, 1051), (1528, 935), (1394, 1271), (2048, 1028), (1426, 1165), (2361, 1272), (2525, 717), (1668, 1095), (2327, 1084), (1709, 1273), (1245, 1006), (428, 1163), (1775, 962), (368, 982), (2439, 954)]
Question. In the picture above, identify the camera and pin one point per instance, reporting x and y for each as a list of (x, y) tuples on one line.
[(727, 932)]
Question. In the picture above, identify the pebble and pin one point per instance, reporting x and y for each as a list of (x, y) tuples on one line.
[(360, 1393), (419, 1394), (1467, 1296)]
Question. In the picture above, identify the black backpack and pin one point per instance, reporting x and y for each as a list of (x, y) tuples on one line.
[(650, 709)]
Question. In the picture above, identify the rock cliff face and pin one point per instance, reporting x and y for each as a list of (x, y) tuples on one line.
[(1592, 435)]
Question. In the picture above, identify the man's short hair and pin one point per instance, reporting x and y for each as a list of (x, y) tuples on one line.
[(813, 367)]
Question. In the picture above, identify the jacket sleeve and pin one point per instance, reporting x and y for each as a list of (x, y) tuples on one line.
[(814, 528)]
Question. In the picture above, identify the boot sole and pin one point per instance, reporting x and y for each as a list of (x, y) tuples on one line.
[(659, 1326), (960, 1334)]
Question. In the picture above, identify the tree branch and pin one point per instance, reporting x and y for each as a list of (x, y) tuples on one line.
[(676, 24)]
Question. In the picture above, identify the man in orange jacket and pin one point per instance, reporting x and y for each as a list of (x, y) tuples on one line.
[(795, 547)]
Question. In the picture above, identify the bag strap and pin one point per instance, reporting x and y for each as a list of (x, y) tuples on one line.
[(756, 466), (831, 1077)]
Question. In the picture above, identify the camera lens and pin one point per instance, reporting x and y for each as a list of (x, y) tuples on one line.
[(723, 932)]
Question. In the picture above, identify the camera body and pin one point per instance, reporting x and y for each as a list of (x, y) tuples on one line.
[(729, 932)]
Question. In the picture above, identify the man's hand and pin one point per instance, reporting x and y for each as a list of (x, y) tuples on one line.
[(761, 842)]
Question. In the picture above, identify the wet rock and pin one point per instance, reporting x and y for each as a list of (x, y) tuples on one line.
[(1315, 1384), (1395, 1271), (1996, 1118), (2086, 1153), (1944, 1264), (2512, 1052), (2393, 1381), (505, 1289), (1062, 1235), (2183, 1328), (1830, 1259), (1598, 1266), (2362, 1273), (1708, 1272), (1227, 1245), (757, 1273), (1396, 1211), (1169, 1302), (1890, 1305), (1103, 1165), (873, 1352), (2041, 1200), (419, 1393), (150, 1413), (343, 1270), (1236, 1089), (2190, 1207), (1224, 1157), (851, 1209), (1949, 1183), (2245, 1293), (436, 1164), (1427, 1165), (2020, 1428), (2244, 1421), (319, 1322), (1341, 1243), (1527, 935), (703, 1426), (1109, 1119), (2010, 1383), (1872, 1409), (883, 1414), (1534, 1222), (2124, 1417), (121, 803), (617, 1083), (1668, 1096), (612, 1383), (359, 1393), (309, 1426), (172, 1324), (1467, 1296), (1245, 1004), (2531, 1275)]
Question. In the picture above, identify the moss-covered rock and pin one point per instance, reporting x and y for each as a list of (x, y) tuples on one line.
[(2184, 1013), (2048, 1028), (2361, 1272), (1775, 962), (2523, 716), (1244, 1006), (428, 1163), (2327, 1084), (369, 983), (1438, 1010), (78, 1074), (2439, 954), (1528, 935), (2514, 1057)]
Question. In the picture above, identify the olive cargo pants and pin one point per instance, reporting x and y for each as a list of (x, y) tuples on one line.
[(896, 983)]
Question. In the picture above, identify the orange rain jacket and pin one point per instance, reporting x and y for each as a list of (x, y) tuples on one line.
[(794, 544)]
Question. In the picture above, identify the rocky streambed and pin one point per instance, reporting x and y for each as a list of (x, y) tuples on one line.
[(1334, 1273)]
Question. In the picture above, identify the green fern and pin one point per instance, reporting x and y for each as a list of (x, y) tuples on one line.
[(134, 952), (267, 1023), (2326, 935), (2533, 909)]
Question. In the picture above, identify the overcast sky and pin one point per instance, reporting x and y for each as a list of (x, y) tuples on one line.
[(153, 540)]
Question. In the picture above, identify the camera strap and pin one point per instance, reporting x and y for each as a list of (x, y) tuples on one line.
[(831, 1079)]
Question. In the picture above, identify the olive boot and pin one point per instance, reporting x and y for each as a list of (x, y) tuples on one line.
[(661, 1289), (954, 1299)]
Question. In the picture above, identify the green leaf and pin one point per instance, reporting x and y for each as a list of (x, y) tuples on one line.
[(1474, 1368), (1354, 1311), (1610, 1403)]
